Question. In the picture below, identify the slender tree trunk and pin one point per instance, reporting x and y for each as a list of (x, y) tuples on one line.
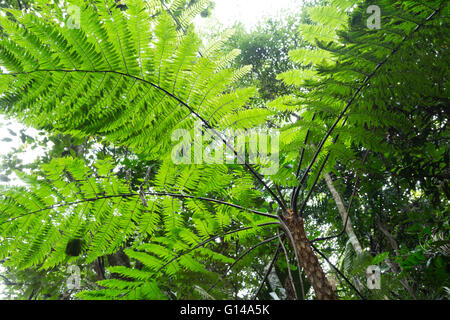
[(343, 212), (275, 284), (308, 259), (345, 218)]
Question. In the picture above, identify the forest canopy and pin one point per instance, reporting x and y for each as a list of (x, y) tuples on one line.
[(306, 158)]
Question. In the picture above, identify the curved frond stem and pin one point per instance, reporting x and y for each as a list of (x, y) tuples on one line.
[(175, 19), (280, 194), (242, 256), (291, 279), (60, 205), (164, 7), (299, 167), (296, 191), (191, 110), (214, 238), (316, 180), (174, 195), (338, 271), (272, 263), (130, 195), (203, 244)]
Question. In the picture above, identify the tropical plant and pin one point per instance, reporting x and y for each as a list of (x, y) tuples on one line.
[(133, 74)]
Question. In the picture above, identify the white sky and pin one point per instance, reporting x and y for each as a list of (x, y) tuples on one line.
[(249, 12), (226, 12), (29, 155)]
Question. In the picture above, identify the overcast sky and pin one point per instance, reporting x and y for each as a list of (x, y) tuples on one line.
[(249, 12)]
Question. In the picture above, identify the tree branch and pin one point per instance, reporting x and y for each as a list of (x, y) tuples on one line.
[(347, 213), (394, 266), (242, 257), (267, 272), (9, 282), (348, 226), (291, 279), (339, 272)]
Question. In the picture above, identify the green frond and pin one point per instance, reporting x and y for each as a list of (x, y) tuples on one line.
[(117, 67)]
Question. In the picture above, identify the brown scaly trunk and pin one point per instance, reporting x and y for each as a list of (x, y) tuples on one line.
[(308, 259)]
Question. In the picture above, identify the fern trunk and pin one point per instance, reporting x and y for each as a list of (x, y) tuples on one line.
[(308, 259)]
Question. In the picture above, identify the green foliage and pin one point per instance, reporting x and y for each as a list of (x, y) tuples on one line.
[(111, 73), (355, 72), (131, 74), (266, 48)]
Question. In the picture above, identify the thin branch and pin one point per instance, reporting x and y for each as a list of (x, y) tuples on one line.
[(394, 265), (291, 279), (267, 272), (191, 110), (388, 235), (242, 257), (347, 215), (130, 195), (9, 282), (296, 192), (339, 272), (210, 240)]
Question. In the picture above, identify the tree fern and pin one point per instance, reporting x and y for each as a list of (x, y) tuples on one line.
[(134, 76)]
